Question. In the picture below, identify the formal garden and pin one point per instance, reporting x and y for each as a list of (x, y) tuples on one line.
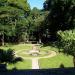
[(45, 60), (34, 38)]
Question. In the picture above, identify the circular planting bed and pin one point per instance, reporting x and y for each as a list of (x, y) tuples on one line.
[(42, 54), (35, 52)]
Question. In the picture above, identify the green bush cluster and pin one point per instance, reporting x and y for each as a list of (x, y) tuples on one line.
[(6, 56)]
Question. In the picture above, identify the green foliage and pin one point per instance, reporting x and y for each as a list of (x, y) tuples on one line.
[(35, 13), (69, 48), (25, 64), (38, 24), (22, 4), (67, 42), (9, 54), (61, 14), (67, 35), (12, 13), (6, 56)]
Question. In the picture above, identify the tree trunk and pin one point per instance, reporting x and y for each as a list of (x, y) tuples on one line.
[(40, 36), (2, 39), (74, 61), (40, 41)]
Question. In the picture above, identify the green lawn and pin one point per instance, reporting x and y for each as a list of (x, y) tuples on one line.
[(48, 48), (17, 47), (56, 61), (44, 63), (26, 64)]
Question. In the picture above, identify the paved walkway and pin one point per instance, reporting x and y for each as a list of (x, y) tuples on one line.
[(35, 64)]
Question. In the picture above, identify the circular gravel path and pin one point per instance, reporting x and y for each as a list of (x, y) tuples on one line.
[(52, 54), (35, 64)]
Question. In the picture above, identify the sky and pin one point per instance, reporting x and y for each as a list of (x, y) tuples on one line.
[(36, 3)]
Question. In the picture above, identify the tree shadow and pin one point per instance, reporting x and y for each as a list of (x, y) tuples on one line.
[(52, 71), (3, 67), (17, 59)]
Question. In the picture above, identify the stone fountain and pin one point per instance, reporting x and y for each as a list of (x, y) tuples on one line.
[(34, 51)]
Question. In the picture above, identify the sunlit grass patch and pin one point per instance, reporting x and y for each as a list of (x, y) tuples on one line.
[(26, 64), (56, 61)]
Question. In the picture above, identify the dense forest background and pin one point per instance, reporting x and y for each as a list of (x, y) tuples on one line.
[(18, 23)]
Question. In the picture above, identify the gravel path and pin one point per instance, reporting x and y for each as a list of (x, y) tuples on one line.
[(35, 64), (52, 54)]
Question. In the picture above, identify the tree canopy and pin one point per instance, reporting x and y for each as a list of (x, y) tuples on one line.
[(61, 14), (11, 14)]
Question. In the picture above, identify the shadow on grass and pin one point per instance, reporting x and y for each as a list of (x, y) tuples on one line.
[(52, 71), (17, 59)]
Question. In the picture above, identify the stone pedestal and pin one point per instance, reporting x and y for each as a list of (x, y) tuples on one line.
[(34, 51)]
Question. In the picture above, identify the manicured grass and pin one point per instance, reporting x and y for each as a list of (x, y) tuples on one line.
[(56, 61), (48, 48), (26, 64), (44, 63), (17, 47), (22, 47)]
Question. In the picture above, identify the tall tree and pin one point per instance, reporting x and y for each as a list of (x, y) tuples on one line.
[(36, 19), (61, 15), (11, 11)]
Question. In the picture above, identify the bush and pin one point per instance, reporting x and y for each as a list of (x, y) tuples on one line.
[(6, 55)]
